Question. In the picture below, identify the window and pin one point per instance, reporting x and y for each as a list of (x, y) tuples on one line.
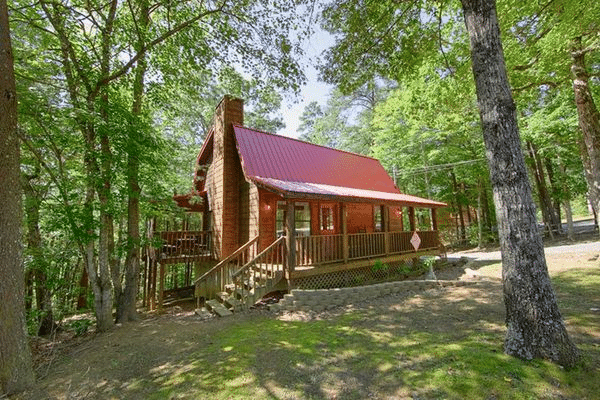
[(378, 218), (302, 219), (326, 220)]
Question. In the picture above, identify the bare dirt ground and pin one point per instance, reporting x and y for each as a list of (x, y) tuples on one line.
[(83, 367)]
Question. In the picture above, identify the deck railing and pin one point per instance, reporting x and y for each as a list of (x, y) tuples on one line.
[(361, 245), (214, 280), (318, 249), (179, 244), (322, 249)]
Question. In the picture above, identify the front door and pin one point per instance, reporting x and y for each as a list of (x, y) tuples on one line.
[(327, 220), (328, 226)]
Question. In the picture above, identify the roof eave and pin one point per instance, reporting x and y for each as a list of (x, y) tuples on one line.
[(288, 194)]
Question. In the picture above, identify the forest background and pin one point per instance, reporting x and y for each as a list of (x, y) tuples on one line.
[(115, 99)]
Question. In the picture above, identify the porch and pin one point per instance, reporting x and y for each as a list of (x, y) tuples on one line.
[(186, 262), (316, 261)]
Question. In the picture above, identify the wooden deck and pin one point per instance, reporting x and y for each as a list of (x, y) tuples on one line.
[(326, 249), (312, 270), (328, 256)]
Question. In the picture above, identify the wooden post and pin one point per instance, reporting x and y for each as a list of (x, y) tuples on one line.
[(411, 219), (205, 215), (413, 228), (162, 286), (345, 249), (385, 225), (434, 225), (290, 235)]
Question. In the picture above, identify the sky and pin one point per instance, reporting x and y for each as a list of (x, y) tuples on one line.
[(314, 90)]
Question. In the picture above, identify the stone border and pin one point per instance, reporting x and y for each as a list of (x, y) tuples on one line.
[(323, 299)]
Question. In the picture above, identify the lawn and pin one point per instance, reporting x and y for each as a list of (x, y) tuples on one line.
[(438, 344)]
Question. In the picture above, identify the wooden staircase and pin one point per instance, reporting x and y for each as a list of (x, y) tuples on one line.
[(229, 287)]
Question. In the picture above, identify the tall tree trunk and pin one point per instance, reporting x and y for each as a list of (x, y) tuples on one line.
[(487, 211), (480, 189), (126, 307), (567, 202), (16, 372), (108, 273), (589, 122), (463, 231), (38, 264), (540, 181), (554, 194), (82, 290), (535, 328)]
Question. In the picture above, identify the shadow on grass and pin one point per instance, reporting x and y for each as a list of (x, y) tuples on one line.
[(579, 300), (434, 344)]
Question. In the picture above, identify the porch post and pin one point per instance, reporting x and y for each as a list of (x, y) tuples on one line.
[(411, 218), (162, 286), (345, 249), (413, 228), (386, 228), (290, 236), (205, 215), (434, 225)]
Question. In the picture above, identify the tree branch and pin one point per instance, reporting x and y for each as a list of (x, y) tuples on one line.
[(525, 67), (582, 52), (68, 52), (552, 84), (125, 68), (448, 66)]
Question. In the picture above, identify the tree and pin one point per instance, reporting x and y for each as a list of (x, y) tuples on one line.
[(535, 325), (16, 372), (345, 121), (555, 45), (101, 71), (396, 32)]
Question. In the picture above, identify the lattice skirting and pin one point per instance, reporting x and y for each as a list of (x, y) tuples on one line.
[(359, 276)]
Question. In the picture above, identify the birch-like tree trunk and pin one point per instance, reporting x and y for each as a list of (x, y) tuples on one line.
[(589, 123), (126, 306), (535, 328)]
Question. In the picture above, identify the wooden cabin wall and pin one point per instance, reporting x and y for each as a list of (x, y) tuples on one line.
[(249, 211), (360, 218), (314, 218), (267, 211)]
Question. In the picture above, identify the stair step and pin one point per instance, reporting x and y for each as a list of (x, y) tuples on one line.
[(218, 308), (229, 301), (203, 312)]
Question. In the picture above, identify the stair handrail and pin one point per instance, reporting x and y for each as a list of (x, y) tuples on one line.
[(238, 279), (227, 259), (249, 263)]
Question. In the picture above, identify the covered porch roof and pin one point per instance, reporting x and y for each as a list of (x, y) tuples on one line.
[(318, 191)]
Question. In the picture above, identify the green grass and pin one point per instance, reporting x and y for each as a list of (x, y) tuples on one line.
[(366, 354), (360, 355), (322, 359)]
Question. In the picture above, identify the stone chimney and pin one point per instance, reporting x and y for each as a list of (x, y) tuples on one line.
[(226, 170)]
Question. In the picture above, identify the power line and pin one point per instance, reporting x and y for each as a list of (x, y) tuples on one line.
[(438, 167)]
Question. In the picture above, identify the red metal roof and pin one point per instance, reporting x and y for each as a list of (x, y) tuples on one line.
[(272, 156), (291, 166)]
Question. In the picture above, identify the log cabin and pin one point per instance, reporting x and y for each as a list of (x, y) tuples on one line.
[(281, 212)]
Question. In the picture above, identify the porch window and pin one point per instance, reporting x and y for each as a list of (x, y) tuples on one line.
[(378, 218), (302, 219), (327, 219)]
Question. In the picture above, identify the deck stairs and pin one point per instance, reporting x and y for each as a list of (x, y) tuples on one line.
[(238, 297), (242, 286)]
